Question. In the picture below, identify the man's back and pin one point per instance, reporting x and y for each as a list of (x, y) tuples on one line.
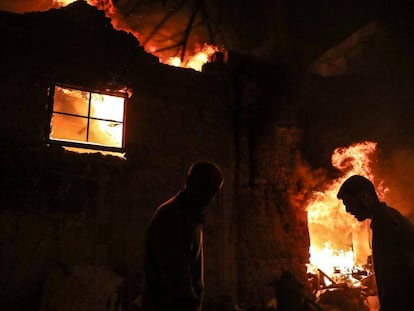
[(393, 254), (174, 257)]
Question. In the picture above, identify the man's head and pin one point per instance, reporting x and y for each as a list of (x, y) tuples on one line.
[(359, 197), (204, 180)]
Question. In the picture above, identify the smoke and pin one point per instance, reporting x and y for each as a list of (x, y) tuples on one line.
[(163, 28), (304, 181), (119, 21), (23, 6), (397, 171)]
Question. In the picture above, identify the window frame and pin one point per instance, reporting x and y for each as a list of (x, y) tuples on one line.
[(85, 145)]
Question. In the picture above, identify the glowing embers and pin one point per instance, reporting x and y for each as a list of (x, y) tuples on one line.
[(88, 119)]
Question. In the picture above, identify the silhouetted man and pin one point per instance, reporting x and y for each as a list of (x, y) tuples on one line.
[(174, 244), (392, 243)]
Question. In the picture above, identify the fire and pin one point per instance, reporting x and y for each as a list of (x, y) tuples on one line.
[(87, 117), (105, 107), (341, 260), (194, 59), (199, 57), (338, 240), (59, 3)]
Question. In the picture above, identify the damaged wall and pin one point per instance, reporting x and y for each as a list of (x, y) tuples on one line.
[(272, 232), (63, 209), (63, 213)]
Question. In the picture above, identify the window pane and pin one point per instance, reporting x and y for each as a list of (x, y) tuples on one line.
[(106, 133), (71, 101), (68, 128), (107, 107)]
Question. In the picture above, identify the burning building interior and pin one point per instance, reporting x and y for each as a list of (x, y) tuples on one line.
[(100, 120)]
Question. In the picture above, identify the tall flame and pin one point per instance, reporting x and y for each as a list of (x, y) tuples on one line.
[(339, 241)]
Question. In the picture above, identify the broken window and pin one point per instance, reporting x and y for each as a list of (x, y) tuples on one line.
[(86, 119)]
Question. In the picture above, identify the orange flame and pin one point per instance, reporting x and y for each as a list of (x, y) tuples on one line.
[(108, 107), (337, 239), (194, 59), (59, 3), (198, 58), (99, 123)]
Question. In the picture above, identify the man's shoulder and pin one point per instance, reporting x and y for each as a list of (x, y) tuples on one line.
[(169, 209), (390, 216), (386, 210)]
